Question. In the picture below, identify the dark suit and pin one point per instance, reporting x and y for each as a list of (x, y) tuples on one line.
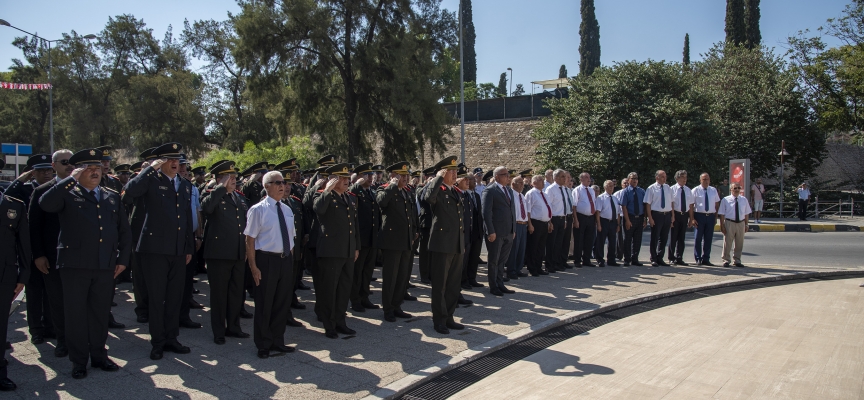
[(15, 254), (301, 229), (94, 238), (425, 230), (499, 218), (136, 224), (446, 245), (368, 216), (472, 252), (398, 229), (337, 245), (166, 239), (43, 240), (224, 249)]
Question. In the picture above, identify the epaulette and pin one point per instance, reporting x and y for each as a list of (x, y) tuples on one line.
[(12, 198), (457, 189), (110, 190), (295, 198), (443, 187), (385, 185), (352, 193)]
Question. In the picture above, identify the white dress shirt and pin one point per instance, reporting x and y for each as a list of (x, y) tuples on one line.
[(583, 196), (700, 194), (558, 199), (537, 205), (479, 188), (520, 205), (803, 194), (676, 198), (654, 197), (262, 223), (727, 208), (604, 207)]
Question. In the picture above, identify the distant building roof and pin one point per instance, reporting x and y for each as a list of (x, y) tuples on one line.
[(554, 83)]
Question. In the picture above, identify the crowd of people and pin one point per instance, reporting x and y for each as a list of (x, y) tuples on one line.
[(75, 231)]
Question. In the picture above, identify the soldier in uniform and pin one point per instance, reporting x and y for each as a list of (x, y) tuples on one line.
[(252, 187), (108, 180), (198, 174), (472, 258), (136, 224), (463, 187), (425, 227), (188, 302), (396, 237), (446, 244), (526, 177), (94, 246), (368, 216), (316, 182), (338, 249), (15, 270), (295, 202), (166, 244), (124, 173)]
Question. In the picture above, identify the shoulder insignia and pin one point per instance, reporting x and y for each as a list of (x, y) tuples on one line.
[(110, 190), (296, 198), (352, 193), (385, 185), (457, 189), (320, 191), (13, 199), (443, 187)]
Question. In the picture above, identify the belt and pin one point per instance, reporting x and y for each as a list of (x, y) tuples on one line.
[(606, 219), (634, 216), (271, 253), (706, 213), (661, 212), (735, 222), (522, 222), (557, 216)]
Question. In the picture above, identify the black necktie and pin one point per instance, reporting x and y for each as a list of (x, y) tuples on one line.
[(636, 202), (683, 200), (737, 219), (283, 228), (614, 211)]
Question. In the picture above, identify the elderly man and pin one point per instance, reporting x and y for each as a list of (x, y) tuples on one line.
[(499, 221), (517, 252), (658, 206), (734, 211), (619, 195), (269, 245), (539, 226), (608, 213), (585, 208), (682, 205), (633, 210), (549, 178), (559, 202), (706, 201)]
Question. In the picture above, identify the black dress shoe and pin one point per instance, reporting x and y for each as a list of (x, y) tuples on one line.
[(219, 340), (6, 385), (602, 264), (156, 353), (507, 291), (480, 261), (389, 318), (196, 305), (282, 348), (455, 325), (37, 339), (298, 305), (637, 263), (654, 264), (61, 350), (176, 348), (143, 319), (293, 323), (113, 304), (107, 365), (112, 324), (522, 275), (409, 297), (79, 372), (358, 308), (238, 335), (190, 324), (614, 264), (463, 301), (263, 353), (302, 286), (374, 279), (708, 263), (245, 314), (542, 272), (402, 314), (369, 305), (680, 262), (411, 285), (588, 264), (496, 292), (330, 333), (514, 276), (725, 265), (476, 284), (442, 329), (466, 286), (505, 279), (662, 263), (194, 280), (346, 330)]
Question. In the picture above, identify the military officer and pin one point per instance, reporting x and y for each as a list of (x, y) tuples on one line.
[(526, 177), (300, 238), (252, 187), (425, 229), (396, 237), (446, 244), (198, 174), (368, 216), (314, 227), (166, 244), (188, 303), (463, 188), (136, 224), (338, 249), (123, 172), (108, 180), (94, 246)]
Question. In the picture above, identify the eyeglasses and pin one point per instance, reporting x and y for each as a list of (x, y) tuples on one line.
[(64, 162), (280, 183)]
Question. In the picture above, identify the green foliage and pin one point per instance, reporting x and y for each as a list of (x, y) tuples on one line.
[(589, 39), (501, 90), (751, 24), (520, 90), (562, 72), (735, 25), (296, 147), (486, 91), (686, 49), (469, 38)]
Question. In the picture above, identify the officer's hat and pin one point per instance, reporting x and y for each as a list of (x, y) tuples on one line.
[(169, 150), (136, 167), (39, 161), (307, 172), (86, 157), (147, 155), (183, 159), (287, 165), (429, 171), (477, 170), (222, 167), (400, 168), (322, 170), (327, 160), (462, 171), (527, 173), (513, 173), (416, 174), (339, 170), (106, 153), (487, 176), (286, 175), (200, 170), (447, 163), (378, 168), (123, 169), (257, 167), (364, 169)]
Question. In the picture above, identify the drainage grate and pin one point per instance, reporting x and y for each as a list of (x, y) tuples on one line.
[(457, 379)]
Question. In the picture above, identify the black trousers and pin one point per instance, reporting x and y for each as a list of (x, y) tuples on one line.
[(38, 307), (553, 245), (585, 244), (802, 214), (363, 269), (87, 302), (535, 248), (164, 275), (394, 280), (272, 296), (139, 286), (191, 270), (332, 289), (679, 233), (446, 276), (659, 234), (298, 275), (620, 245), (424, 254), (566, 237), (7, 289), (226, 294), (633, 238), (54, 294), (607, 233), (471, 260)]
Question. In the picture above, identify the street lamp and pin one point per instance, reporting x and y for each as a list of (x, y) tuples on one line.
[(782, 154), (511, 80), (461, 87), (91, 36)]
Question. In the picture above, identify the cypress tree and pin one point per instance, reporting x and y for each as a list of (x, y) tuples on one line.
[(751, 19), (501, 90), (562, 72), (469, 38), (735, 27), (686, 49), (589, 39)]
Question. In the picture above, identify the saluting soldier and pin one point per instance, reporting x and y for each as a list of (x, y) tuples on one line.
[(108, 180), (338, 249), (16, 254), (317, 181), (198, 176), (252, 187), (188, 303), (446, 244), (166, 244), (93, 248), (396, 238), (300, 237), (123, 173), (463, 188), (368, 216), (136, 224), (425, 229)]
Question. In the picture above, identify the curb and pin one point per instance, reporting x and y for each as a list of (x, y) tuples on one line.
[(420, 377), (802, 228)]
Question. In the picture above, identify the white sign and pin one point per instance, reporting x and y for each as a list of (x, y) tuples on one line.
[(11, 160)]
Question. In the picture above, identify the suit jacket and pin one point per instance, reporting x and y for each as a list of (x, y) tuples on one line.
[(226, 221), (94, 232), (167, 225), (368, 215), (310, 217), (445, 234), (468, 215), (499, 216), (15, 251), (425, 210), (477, 221), (45, 226), (339, 237), (398, 218)]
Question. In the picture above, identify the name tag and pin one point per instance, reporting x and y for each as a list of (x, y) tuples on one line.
[(79, 199), (163, 187)]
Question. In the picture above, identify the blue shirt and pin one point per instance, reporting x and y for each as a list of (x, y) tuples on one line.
[(627, 200), (196, 206)]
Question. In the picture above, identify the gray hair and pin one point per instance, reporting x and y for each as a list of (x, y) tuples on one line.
[(609, 182), (632, 175), (519, 179), (548, 171), (59, 153), (584, 174), (272, 176), (537, 178), (499, 169), (656, 174), (680, 174), (558, 172)]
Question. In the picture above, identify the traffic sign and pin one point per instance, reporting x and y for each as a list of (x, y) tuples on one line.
[(9, 148), (11, 160)]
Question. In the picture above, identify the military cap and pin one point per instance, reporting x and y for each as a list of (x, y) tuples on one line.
[(417, 173), (478, 170), (327, 160), (199, 170), (487, 176), (447, 163), (364, 169), (286, 175), (527, 173), (39, 161), (287, 165), (257, 167), (123, 168), (106, 153), (322, 170), (147, 155), (400, 168), (137, 166), (169, 150), (222, 167), (306, 172), (339, 170), (462, 171), (429, 171), (378, 168), (86, 157), (513, 173), (183, 159)]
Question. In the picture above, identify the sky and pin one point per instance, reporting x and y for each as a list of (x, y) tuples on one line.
[(532, 37)]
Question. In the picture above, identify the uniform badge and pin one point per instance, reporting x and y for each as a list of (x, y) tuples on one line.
[(12, 214), (111, 200), (188, 190)]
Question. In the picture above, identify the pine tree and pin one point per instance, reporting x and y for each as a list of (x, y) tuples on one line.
[(469, 38), (735, 27), (520, 90), (751, 20), (501, 90), (562, 72), (686, 49), (589, 43)]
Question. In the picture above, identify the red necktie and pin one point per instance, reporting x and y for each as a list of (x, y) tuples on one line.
[(590, 200), (547, 204), (521, 207)]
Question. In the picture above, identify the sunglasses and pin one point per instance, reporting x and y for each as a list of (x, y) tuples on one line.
[(280, 183), (64, 162)]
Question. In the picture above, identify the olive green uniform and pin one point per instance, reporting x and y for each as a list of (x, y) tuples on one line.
[(337, 243), (446, 245)]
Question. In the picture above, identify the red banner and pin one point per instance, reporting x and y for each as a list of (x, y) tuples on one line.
[(25, 86)]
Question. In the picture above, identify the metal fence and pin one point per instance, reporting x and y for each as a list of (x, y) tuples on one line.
[(836, 208), (514, 107)]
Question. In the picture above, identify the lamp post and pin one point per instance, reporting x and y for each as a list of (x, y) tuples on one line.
[(511, 80), (782, 153), (50, 83), (461, 88)]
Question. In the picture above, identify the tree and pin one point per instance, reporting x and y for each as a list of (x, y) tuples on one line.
[(751, 23), (274, 152), (589, 39), (501, 90), (520, 90), (562, 72), (735, 26), (469, 38), (686, 49), (487, 90)]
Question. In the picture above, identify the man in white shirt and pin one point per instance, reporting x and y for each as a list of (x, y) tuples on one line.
[(539, 226), (559, 200), (607, 216), (803, 200), (478, 178), (619, 248), (705, 203), (517, 252), (585, 208), (549, 178), (758, 198), (658, 207), (733, 212), (269, 245), (569, 219), (682, 204)]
